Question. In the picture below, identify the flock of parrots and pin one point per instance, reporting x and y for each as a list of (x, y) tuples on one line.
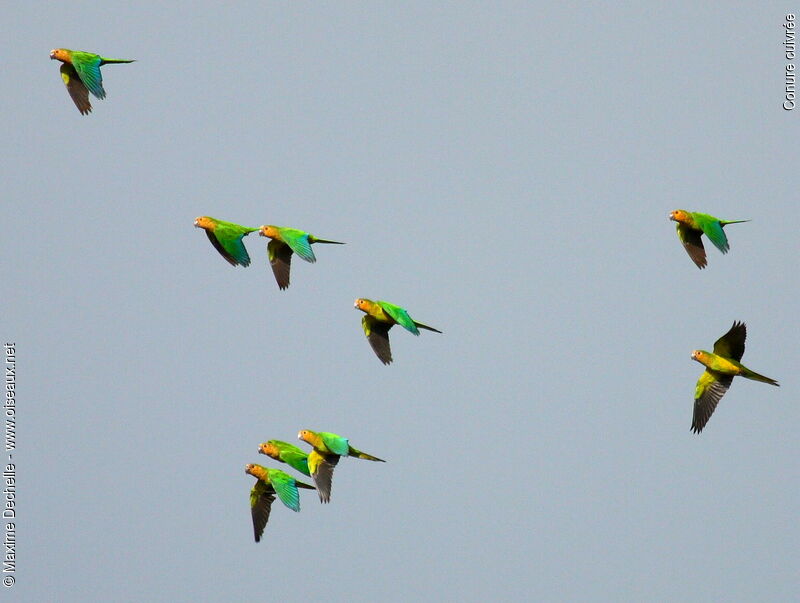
[(80, 72)]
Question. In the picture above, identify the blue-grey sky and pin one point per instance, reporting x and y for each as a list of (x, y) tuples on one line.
[(504, 171)]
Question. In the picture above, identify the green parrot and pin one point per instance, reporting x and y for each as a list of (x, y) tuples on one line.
[(327, 448), (226, 237), (286, 453), (81, 74), (691, 225), (271, 482), (382, 316), (721, 367), (286, 241)]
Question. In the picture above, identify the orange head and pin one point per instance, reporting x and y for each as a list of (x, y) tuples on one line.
[(305, 435), (362, 304), (255, 470), (269, 231), (679, 215), (700, 356), (269, 449), (204, 222), (61, 54)]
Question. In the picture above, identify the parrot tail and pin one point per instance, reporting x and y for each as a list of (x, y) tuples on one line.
[(756, 377), (426, 327), (106, 61), (302, 485), (725, 222), (316, 240), (363, 455)]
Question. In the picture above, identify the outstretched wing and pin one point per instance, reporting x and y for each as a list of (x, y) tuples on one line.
[(280, 258), (731, 345), (709, 391), (692, 244), (321, 467), (261, 497), (76, 88), (377, 333)]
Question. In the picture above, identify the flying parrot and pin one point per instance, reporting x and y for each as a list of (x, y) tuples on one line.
[(81, 74), (382, 316), (721, 367), (226, 237), (284, 242), (271, 482), (691, 225), (327, 448), (286, 453)]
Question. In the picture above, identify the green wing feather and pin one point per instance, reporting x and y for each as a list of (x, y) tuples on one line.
[(399, 315), (713, 230), (87, 65), (298, 241), (286, 488), (335, 443), (227, 239)]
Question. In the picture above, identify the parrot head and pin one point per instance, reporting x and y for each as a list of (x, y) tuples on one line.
[(256, 471), (700, 356), (304, 435), (269, 449), (268, 231), (59, 53), (362, 304), (679, 215), (204, 222)]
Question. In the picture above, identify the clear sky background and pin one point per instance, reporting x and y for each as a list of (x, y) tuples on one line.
[(505, 172)]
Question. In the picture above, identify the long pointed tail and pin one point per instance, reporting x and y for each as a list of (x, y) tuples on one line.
[(316, 240), (426, 327), (363, 455), (724, 222), (105, 61), (756, 377)]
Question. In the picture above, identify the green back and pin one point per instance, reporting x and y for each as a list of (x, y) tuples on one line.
[(293, 456)]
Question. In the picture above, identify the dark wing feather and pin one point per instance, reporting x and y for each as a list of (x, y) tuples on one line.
[(704, 405), (76, 88), (379, 340), (693, 244), (731, 345), (280, 258), (213, 238), (323, 478), (261, 499)]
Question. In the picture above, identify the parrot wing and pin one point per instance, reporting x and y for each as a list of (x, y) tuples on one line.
[(377, 333), (731, 345), (709, 391), (322, 467), (692, 244), (261, 497), (76, 88), (89, 72), (280, 258)]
